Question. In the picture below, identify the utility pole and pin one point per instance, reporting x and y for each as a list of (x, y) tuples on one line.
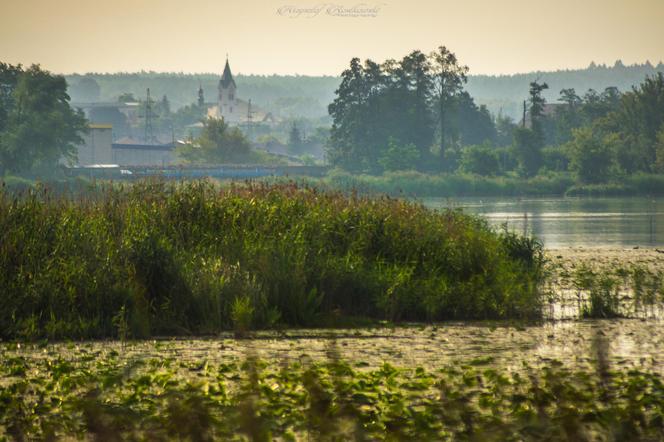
[(149, 134), (523, 121), (201, 97), (250, 121)]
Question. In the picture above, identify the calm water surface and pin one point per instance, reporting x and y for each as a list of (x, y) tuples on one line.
[(565, 222)]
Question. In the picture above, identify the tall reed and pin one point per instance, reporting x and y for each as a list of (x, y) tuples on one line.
[(182, 258)]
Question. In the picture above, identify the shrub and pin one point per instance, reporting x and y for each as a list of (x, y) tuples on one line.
[(479, 160)]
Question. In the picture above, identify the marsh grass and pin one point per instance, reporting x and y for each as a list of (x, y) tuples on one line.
[(447, 185), (192, 258), (617, 292)]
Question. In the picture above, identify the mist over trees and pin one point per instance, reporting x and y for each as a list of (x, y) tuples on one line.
[(308, 96)]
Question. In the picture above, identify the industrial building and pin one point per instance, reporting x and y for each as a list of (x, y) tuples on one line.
[(98, 148)]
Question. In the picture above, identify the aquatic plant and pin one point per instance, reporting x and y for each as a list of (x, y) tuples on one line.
[(100, 394)]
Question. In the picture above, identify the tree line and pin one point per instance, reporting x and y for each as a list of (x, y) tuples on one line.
[(415, 113)]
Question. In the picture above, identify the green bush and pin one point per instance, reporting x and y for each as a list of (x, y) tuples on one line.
[(479, 160)]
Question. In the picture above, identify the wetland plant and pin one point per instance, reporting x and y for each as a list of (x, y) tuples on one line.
[(165, 258), (101, 395)]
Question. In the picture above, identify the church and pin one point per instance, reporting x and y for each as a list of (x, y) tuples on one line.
[(233, 109)]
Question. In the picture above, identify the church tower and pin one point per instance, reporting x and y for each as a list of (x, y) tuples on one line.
[(227, 97), (201, 97)]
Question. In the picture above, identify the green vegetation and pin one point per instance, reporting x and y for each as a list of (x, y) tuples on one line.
[(412, 183), (616, 292), (417, 110), (106, 393), (38, 128), (220, 144), (175, 258)]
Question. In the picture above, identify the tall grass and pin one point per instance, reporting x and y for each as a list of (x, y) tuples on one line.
[(449, 185), (632, 185), (193, 258)]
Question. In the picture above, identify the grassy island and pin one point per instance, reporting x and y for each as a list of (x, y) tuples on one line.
[(192, 258)]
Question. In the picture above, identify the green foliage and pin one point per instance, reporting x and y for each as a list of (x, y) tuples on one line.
[(409, 101), (591, 156), (185, 258), (568, 117), (105, 395), (537, 103), (242, 314), (527, 151), (636, 123), (480, 160), (659, 151), (603, 299), (399, 156), (451, 185), (219, 143), (37, 125), (555, 158), (448, 78)]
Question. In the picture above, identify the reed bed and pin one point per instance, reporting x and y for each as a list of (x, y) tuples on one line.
[(171, 258)]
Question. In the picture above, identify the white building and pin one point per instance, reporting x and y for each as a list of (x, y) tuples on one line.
[(231, 108)]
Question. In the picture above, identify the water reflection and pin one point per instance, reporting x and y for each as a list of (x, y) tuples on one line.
[(564, 222)]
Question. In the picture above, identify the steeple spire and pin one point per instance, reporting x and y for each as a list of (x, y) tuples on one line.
[(227, 76)]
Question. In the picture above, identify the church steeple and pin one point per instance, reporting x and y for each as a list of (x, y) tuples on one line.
[(201, 97), (227, 77), (227, 99)]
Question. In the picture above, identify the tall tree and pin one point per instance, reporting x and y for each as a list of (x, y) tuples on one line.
[(473, 124), (537, 103), (591, 155), (637, 121), (505, 127), (347, 135), (416, 116), (568, 116), (448, 78), (37, 124), (528, 142)]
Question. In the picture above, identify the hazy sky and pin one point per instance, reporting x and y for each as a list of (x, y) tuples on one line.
[(278, 36)]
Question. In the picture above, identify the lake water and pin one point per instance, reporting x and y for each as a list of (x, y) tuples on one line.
[(566, 222)]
